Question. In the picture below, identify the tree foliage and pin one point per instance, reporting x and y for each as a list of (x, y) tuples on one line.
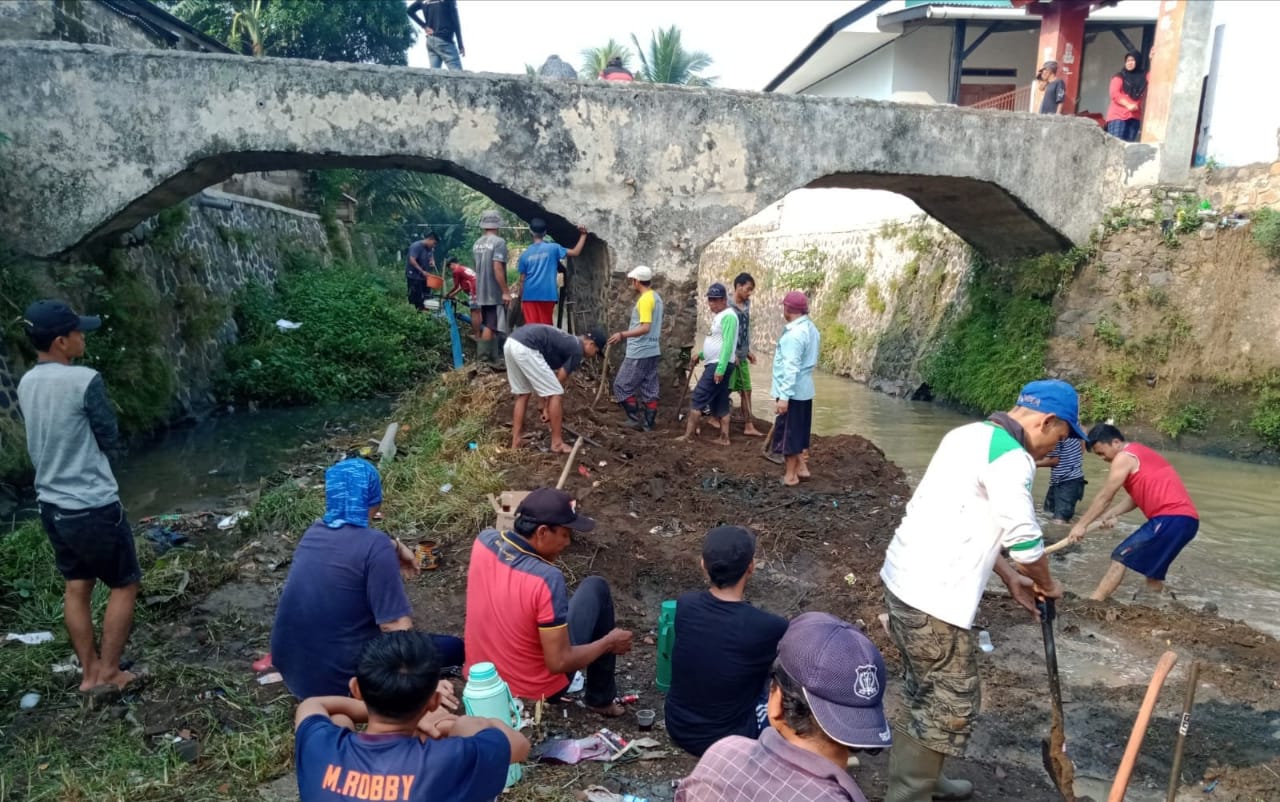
[(666, 61), (367, 31), (594, 59)]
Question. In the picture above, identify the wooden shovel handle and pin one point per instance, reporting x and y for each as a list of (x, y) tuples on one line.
[(1121, 783), (568, 463), (1062, 544)]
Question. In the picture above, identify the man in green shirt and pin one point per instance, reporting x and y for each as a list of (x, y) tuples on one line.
[(719, 350)]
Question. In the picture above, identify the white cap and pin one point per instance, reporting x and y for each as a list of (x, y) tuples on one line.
[(641, 273)]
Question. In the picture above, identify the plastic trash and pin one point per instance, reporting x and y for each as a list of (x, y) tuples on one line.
[(984, 642), (287, 325), (263, 663), (270, 679), (233, 519), (446, 487), (163, 538), (579, 682), (29, 701), (31, 638)]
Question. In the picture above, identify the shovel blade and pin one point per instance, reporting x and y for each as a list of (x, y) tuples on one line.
[(1060, 769)]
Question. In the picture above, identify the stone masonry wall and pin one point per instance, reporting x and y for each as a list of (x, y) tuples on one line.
[(82, 21), (194, 263)]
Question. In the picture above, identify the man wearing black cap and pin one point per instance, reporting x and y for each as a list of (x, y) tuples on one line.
[(539, 268), (71, 430), (723, 650), (1055, 89), (520, 616), (539, 360), (719, 349), (825, 701)]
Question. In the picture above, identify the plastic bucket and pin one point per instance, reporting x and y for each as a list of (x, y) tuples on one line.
[(435, 282)]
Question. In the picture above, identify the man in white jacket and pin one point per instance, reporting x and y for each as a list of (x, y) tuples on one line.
[(973, 502)]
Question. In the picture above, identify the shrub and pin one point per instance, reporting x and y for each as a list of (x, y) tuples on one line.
[(1108, 332), (1098, 403), (875, 300), (850, 278), (1266, 231), (1266, 416), (358, 338), (1186, 418)]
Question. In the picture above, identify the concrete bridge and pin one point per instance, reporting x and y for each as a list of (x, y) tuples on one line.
[(100, 139)]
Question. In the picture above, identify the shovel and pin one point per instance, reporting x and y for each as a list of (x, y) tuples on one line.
[(1053, 750)]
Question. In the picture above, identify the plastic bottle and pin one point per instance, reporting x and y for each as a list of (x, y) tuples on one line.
[(984, 642), (666, 643), (487, 696)]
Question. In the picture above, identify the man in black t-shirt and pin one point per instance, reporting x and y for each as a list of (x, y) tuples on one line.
[(539, 358), (724, 649), (1055, 90)]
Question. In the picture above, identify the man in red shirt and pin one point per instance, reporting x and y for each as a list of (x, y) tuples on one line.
[(1154, 487), (520, 616), (464, 280)]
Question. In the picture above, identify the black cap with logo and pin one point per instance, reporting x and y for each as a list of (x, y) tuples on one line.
[(553, 507), (56, 318)]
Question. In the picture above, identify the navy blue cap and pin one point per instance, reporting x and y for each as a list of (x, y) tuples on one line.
[(717, 290), (1054, 397), (552, 507), (57, 318)]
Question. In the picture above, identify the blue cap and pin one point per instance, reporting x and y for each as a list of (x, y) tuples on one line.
[(717, 290), (1054, 397)]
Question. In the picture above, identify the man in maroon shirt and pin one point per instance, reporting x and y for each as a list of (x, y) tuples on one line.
[(825, 702)]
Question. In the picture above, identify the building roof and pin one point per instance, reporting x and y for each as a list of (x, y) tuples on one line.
[(856, 34), (155, 20)]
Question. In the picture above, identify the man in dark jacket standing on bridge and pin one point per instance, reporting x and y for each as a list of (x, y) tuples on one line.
[(439, 21)]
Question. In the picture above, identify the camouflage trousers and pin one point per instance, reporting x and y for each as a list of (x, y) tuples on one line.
[(940, 686)]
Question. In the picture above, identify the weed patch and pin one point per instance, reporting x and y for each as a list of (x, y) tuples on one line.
[(1266, 231), (1185, 418)]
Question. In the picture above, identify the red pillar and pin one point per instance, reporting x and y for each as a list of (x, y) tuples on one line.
[(1062, 40)]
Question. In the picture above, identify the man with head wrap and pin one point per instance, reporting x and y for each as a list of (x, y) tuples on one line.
[(343, 589)]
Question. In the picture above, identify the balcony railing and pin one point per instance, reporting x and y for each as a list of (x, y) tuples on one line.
[(1017, 100)]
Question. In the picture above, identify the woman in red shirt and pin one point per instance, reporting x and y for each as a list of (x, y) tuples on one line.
[(1124, 115)]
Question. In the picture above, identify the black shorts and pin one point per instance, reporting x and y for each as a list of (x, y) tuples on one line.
[(791, 431), (711, 396), (95, 543), (488, 317), (417, 292)]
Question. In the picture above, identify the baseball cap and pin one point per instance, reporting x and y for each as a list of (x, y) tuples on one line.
[(57, 318), (717, 290), (842, 675), (1054, 397), (490, 219), (641, 273), (538, 226), (553, 507), (597, 336), (729, 549), (796, 301)]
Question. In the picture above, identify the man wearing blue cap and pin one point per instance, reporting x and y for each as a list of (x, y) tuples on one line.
[(826, 700), (973, 502), (71, 432), (344, 589), (719, 350)]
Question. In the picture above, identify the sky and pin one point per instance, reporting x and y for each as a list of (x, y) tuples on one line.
[(750, 41)]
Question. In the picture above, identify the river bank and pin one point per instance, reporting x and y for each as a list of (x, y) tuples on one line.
[(654, 500)]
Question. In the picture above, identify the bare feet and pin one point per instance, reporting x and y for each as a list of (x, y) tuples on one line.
[(515, 444), (803, 472), (684, 438), (612, 710), (721, 441), (561, 448), (114, 682), (790, 481), (752, 431)]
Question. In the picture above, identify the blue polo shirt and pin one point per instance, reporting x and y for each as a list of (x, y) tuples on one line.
[(336, 764), (538, 265)]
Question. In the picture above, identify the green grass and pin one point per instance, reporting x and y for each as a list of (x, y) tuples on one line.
[(1265, 420), (1190, 417), (848, 279), (1266, 231), (875, 299)]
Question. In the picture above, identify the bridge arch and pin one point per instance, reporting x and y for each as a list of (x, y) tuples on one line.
[(101, 138)]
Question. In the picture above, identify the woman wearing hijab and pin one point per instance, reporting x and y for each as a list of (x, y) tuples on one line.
[(1124, 115), (343, 589)]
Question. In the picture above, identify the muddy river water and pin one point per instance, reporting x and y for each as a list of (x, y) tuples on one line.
[(1234, 562)]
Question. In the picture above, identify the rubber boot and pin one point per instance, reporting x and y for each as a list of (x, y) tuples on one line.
[(948, 789), (913, 770), (484, 351), (650, 418), (633, 414)]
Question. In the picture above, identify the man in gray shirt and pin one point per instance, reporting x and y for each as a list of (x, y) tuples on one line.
[(490, 252), (71, 429)]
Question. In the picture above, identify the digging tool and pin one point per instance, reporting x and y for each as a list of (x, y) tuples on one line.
[(768, 440), (604, 375), (1053, 750), (683, 395), (1062, 544), (572, 433), (1193, 676), (1121, 783), (573, 455)]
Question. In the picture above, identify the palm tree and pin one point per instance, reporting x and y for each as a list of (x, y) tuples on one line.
[(594, 59), (666, 61), (248, 21)]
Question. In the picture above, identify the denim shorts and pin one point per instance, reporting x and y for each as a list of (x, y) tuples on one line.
[(96, 543)]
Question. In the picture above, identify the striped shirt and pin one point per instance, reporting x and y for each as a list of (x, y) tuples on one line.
[(1070, 454)]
